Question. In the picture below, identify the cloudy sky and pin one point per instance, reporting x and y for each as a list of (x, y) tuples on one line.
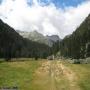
[(48, 17)]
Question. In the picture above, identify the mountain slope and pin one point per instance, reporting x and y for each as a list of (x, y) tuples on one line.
[(38, 37), (10, 40), (14, 45), (77, 45), (53, 38)]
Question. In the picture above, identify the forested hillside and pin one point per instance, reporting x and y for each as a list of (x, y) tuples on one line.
[(77, 45), (13, 45)]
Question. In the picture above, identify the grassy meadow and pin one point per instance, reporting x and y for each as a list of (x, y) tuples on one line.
[(83, 73), (44, 75)]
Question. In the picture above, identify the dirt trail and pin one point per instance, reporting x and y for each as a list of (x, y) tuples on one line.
[(53, 75), (72, 78)]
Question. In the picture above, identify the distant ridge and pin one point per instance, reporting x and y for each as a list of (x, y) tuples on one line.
[(38, 37)]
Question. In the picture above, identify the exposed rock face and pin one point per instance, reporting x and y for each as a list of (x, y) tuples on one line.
[(54, 38), (38, 37)]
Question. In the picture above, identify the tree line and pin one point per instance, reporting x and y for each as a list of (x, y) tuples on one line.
[(76, 45), (12, 45)]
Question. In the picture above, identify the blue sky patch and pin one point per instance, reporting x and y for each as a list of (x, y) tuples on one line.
[(1, 1), (58, 3), (67, 3)]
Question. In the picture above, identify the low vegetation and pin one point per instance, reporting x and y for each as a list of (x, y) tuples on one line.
[(44, 75), (82, 72), (18, 74)]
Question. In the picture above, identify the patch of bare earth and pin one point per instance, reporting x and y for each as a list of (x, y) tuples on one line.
[(70, 75), (51, 73)]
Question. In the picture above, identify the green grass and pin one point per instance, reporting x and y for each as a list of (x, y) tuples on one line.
[(82, 71), (17, 74), (22, 75)]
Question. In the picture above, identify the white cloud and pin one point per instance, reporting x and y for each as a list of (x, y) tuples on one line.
[(47, 20)]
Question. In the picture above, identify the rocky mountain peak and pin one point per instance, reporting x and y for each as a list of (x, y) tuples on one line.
[(38, 37)]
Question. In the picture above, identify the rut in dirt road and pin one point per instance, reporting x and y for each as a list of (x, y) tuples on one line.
[(53, 75)]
